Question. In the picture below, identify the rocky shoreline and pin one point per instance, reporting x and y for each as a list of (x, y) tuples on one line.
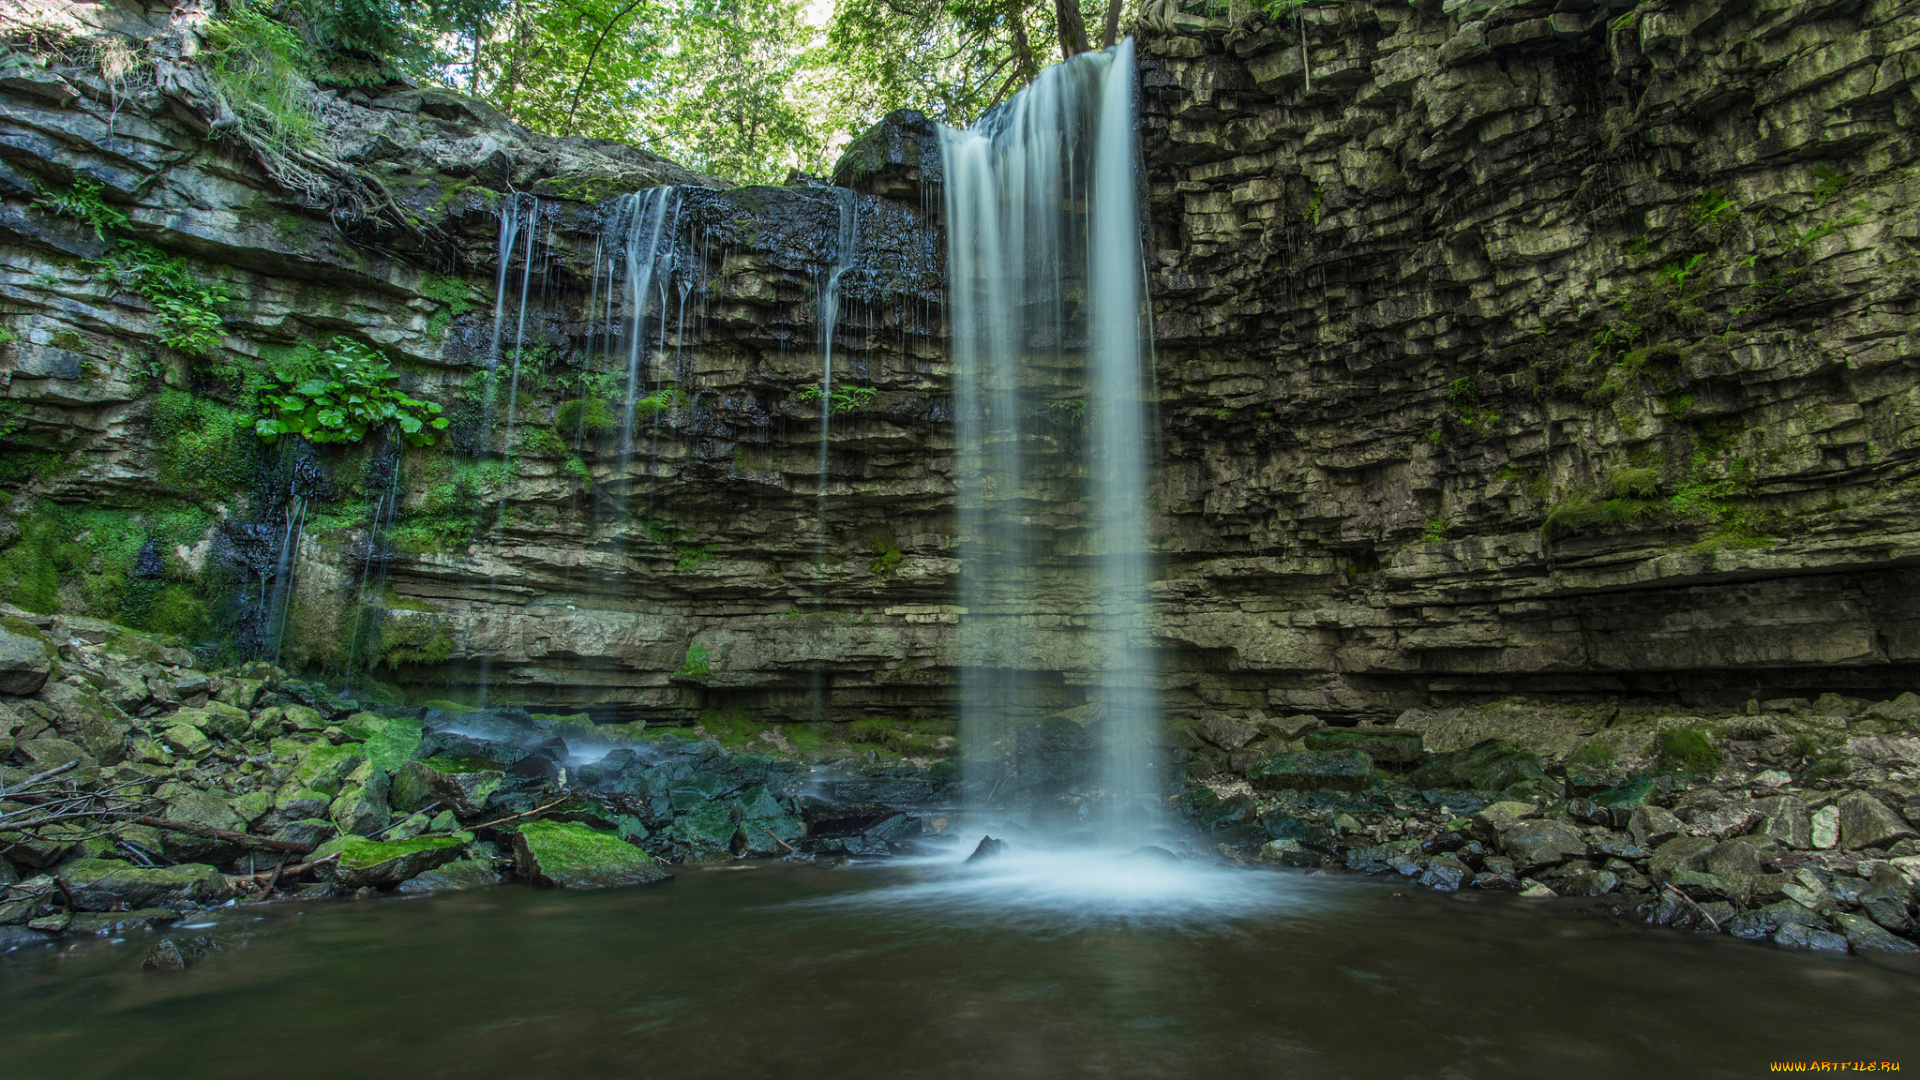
[(1789, 822), (142, 787)]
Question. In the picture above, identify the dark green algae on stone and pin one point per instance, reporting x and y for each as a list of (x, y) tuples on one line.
[(571, 856)]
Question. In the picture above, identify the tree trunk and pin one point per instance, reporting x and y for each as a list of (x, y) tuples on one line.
[(1112, 33), (1073, 29)]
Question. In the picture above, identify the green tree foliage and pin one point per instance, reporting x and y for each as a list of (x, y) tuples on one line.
[(744, 89)]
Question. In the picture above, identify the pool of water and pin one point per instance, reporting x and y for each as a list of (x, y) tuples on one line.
[(1024, 968)]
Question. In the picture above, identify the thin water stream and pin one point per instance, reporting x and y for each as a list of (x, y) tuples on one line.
[(929, 971)]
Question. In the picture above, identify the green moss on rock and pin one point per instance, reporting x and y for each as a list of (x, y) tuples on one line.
[(569, 856)]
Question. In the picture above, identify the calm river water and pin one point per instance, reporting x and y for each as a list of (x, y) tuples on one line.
[(916, 971)]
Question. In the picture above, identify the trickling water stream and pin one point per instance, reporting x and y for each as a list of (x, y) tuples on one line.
[(1043, 226)]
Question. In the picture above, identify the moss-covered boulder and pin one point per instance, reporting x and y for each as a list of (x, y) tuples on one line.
[(1308, 770), (392, 744), (216, 718), (1488, 766), (360, 808), (100, 884), (708, 829), (195, 806), (569, 856), (461, 784), (384, 863)]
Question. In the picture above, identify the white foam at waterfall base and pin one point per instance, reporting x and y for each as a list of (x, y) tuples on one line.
[(1069, 889), (1054, 889)]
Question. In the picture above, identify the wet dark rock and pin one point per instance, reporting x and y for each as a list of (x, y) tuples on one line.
[(1653, 826), (165, 956), (455, 876), (1800, 936), (988, 848), (897, 158), (1588, 882), (1885, 899), (1866, 936), (1761, 924), (1446, 873), (385, 863)]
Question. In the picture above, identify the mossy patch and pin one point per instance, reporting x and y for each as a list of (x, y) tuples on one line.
[(572, 856)]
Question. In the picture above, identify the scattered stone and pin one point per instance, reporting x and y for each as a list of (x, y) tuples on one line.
[(463, 784), (1389, 747), (25, 658), (1533, 890), (1589, 883)]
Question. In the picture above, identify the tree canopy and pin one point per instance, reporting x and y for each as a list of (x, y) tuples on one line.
[(744, 89)]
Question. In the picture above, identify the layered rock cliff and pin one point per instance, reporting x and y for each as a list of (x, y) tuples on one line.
[(1500, 349)]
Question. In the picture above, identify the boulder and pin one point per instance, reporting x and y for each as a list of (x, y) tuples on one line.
[(1347, 770), (187, 741), (47, 752), (194, 806), (1885, 899), (569, 856), (453, 877), (1724, 821), (1446, 873), (1786, 820), (1228, 733), (1679, 853), (1762, 923), (988, 848), (25, 658), (461, 784), (1652, 826), (1495, 818), (1798, 936), (383, 863), (708, 829), (360, 809), (1488, 766), (1542, 842), (215, 718), (101, 884), (1867, 822)]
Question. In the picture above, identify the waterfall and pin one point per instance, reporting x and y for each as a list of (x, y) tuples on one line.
[(828, 320), (1046, 287), (640, 232), (518, 217)]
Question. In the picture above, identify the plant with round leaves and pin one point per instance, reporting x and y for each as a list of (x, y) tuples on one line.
[(347, 395)]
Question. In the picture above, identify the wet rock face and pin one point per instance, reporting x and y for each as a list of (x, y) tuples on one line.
[(1497, 352)]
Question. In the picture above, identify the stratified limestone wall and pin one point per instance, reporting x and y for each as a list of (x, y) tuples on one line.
[(1525, 348), (1522, 351)]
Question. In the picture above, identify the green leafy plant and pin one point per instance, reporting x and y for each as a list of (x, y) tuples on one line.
[(187, 311), (845, 398), (1436, 532), (345, 400), (698, 661), (84, 201)]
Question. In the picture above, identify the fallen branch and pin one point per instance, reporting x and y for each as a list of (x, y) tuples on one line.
[(1688, 900), (517, 817), (293, 846), (267, 889), (293, 871), (392, 825), (777, 840)]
